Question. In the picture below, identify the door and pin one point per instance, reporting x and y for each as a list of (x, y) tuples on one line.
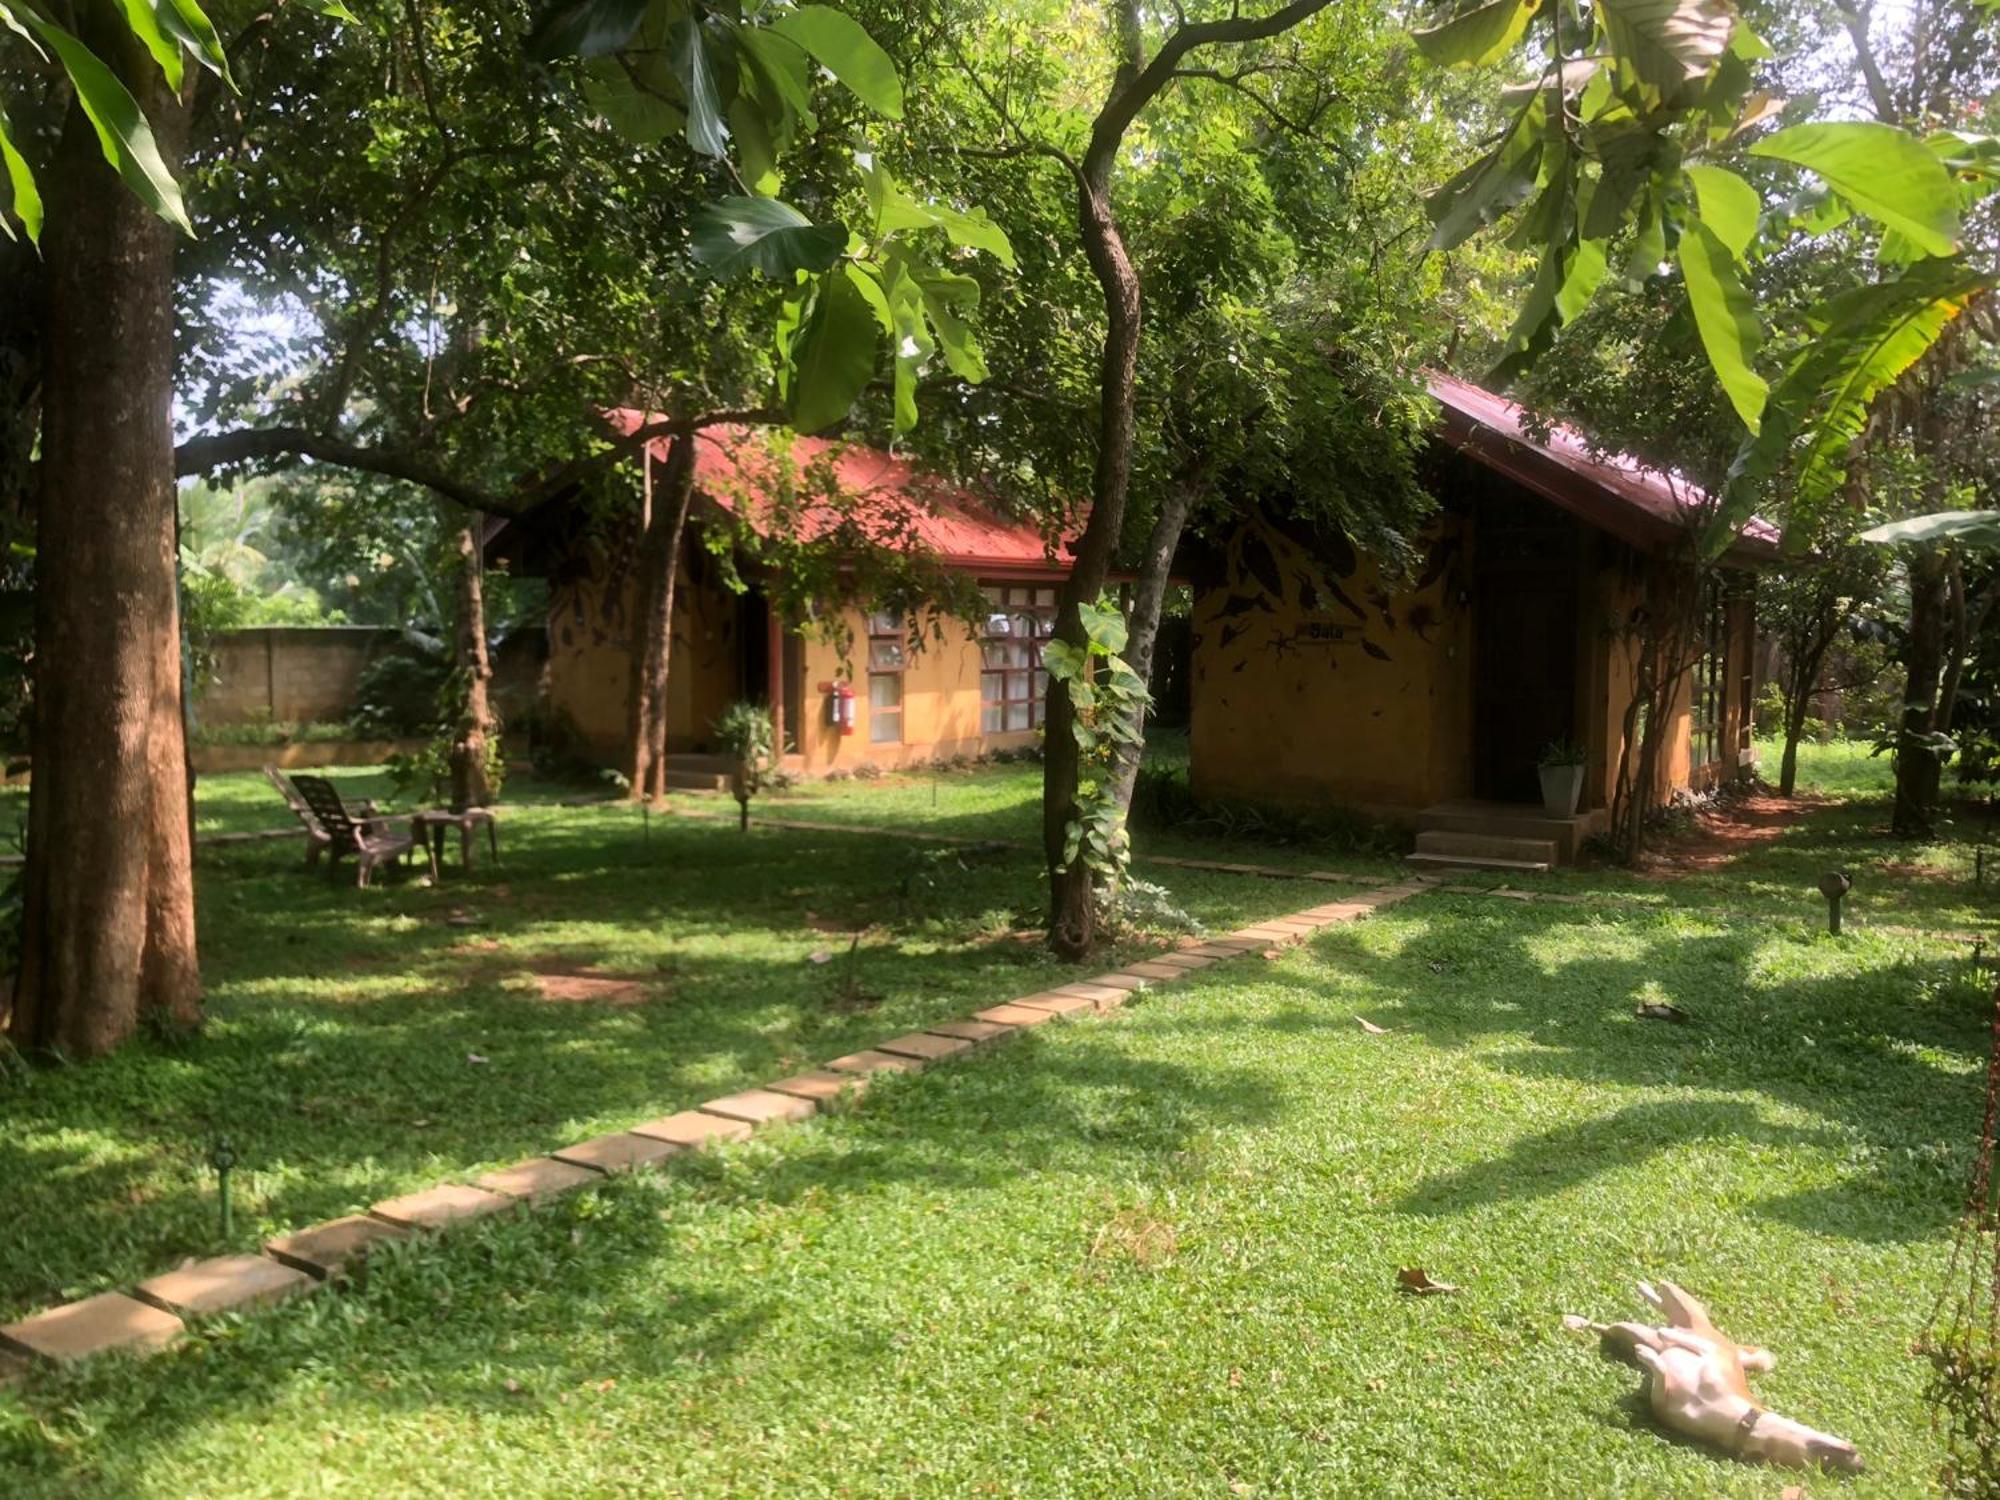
[(1525, 643)]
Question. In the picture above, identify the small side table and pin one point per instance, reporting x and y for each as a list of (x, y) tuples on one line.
[(430, 827)]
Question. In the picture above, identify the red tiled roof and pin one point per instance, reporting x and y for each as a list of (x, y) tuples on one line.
[(1641, 505), (903, 502)]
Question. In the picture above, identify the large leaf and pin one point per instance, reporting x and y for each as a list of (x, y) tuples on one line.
[(585, 28), (839, 44), (122, 132), (25, 199), (1975, 528), (1668, 42), (1479, 33), (626, 94), (897, 210), (145, 24), (781, 74), (1729, 206), (948, 300), (1869, 337), (1493, 186), (834, 356), (188, 24), (1884, 172), (1726, 319), (701, 88), (735, 235)]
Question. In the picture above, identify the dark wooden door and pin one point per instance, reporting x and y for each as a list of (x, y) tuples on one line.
[(1524, 654)]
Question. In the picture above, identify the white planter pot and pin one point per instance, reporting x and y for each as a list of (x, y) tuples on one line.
[(1562, 788)]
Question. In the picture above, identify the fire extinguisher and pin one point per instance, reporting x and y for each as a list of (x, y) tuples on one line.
[(840, 707)]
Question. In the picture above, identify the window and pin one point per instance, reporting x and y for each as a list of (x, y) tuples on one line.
[(887, 646), (1711, 680), (1012, 686)]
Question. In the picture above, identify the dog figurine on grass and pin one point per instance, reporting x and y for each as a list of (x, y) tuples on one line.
[(1695, 1382)]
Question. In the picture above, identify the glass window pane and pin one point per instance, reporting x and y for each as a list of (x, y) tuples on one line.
[(999, 625), (991, 686), (1045, 598), (989, 719), (1038, 713), (1019, 716), (885, 656), (885, 729), (1041, 686), (885, 624), (994, 654), (991, 592), (1025, 625), (885, 690)]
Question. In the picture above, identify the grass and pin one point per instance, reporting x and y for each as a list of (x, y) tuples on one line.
[(1155, 1255), (361, 1043), (1144, 1255)]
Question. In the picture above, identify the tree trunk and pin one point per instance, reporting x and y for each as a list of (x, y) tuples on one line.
[(471, 784), (1802, 670), (1072, 908), (659, 572), (1788, 763), (108, 930), (1918, 768), (1143, 621)]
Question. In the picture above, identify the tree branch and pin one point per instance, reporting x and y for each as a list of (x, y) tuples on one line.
[(1854, 16)]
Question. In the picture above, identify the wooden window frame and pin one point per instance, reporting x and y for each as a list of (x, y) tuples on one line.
[(886, 630), (1022, 685)]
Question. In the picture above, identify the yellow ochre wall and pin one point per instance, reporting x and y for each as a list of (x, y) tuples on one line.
[(591, 644), (1310, 686), (1314, 683)]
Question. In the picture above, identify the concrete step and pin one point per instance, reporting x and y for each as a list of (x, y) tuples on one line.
[(1506, 846), (694, 781), (1474, 862), (1511, 820)]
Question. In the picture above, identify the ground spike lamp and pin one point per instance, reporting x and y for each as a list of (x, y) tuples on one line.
[(1834, 885)]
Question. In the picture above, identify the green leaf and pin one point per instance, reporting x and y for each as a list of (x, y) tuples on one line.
[(896, 210), (1975, 528), (581, 28), (782, 71), (145, 24), (1869, 336), (1726, 318), (948, 298), (733, 235), (25, 199), (1580, 280), (755, 149), (695, 68), (839, 44), (1886, 173), (1492, 187), (333, 8), (1729, 206), (185, 21), (909, 337), (1478, 35), (1668, 43), (621, 92), (122, 132), (834, 358), (1649, 247)]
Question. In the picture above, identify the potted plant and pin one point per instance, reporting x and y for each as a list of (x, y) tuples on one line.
[(747, 736), (1562, 777)]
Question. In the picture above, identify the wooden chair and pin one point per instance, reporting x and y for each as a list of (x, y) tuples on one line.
[(371, 840)]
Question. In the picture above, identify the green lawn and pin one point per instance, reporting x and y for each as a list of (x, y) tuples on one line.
[(1148, 1254)]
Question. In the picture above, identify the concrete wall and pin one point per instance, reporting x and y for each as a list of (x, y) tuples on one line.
[(289, 673)]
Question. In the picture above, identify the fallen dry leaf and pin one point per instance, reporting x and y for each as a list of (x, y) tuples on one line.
[(1417, 1282), (1659, 1011), (1370, 1027), (820, 957), (474, 1057)]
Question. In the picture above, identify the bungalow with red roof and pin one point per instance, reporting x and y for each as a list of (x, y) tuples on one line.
[(883, 703), (1319, 678)]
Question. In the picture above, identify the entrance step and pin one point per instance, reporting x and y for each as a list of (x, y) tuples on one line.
[(1500, 851), (1474, 862), (1510, 821), (697, 773)]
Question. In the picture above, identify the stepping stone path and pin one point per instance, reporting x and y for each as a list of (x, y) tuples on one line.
[(154, 1316)]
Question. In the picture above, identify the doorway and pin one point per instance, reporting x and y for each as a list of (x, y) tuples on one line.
[(1525, 640)]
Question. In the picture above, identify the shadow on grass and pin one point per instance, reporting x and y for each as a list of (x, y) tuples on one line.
[(1883, 1052), (510, 1318)]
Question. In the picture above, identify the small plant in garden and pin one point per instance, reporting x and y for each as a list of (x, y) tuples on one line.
[(745, 734), (1140, 906), (1107, 697)]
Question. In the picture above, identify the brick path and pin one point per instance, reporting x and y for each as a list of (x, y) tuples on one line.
[(156, 1313)]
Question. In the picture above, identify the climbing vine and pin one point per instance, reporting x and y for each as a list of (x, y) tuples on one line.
[(1107, 698)]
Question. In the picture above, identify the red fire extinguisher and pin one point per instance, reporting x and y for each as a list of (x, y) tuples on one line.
[(840, 707)]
